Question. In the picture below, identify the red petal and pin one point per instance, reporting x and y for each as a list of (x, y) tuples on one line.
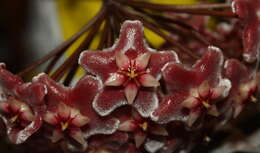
[(148, 80), (248, 11), (240, 76), (131, 37), (130, 92), (9, 81), (83, 94), (100, 63), (106, 101), (34, 93), (128, 126), (159, 59), (142, 61), (57, 93), (122, 61), (209, 67), (146, 102), (178, 78), (18, 136), (115, 79), (170, 109)]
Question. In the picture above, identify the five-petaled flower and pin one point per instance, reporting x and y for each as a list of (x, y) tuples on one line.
[(131, 121), (129, 70), (70, 112), (197, 88), (21, 106), (249, 13)]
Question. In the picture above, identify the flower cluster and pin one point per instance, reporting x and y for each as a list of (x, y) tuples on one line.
[(135, 98)]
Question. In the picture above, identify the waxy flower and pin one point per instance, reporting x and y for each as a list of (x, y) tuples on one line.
[(140, 127), (249, 13), (197, 88), (243, 86), (21, 106), (129, 70), (70, 112)]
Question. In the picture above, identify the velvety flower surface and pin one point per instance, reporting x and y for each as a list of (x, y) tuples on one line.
[(249, 12), (129, 70), (21, 106), (131, 121), (70, 112), (197, 89), (243, 86)]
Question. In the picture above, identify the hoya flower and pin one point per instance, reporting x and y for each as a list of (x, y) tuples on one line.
[(70, 112), (243, 86), (198, 89), (249, 13), (139, 126), (21, 106), (130, 71)]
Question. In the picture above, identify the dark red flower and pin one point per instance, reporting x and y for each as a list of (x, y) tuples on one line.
[(129, 70), (197, 88), (21, 106), (248, 12), (139, 126), (243, 86), (70, 112)]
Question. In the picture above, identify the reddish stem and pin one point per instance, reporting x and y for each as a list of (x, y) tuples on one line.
[(193, 9)]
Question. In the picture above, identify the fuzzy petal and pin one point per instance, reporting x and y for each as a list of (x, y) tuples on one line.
[(9, 81), (142, 61), (100, 63), (130, 92), (239, 76), (115, 79), (80, 120), (122, 61), (57, 93), (50, 118), (128, 126), (209, 66), (83, 94), (146, 102), (178, 78), (148, 80), (170, 109), (131, 37), (248, 12), (19, 136), (158, 61), (106, 102)]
